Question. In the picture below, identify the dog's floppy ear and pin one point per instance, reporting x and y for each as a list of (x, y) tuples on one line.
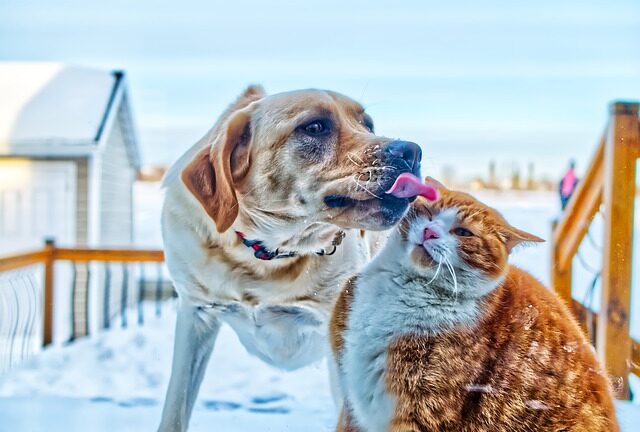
[(212, 175), (250, 94)]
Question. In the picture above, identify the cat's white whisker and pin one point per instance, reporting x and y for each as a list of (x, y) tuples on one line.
[(437, 272), (454, 278)]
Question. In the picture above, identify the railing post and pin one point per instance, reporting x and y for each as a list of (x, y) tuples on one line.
[(621, 150), (573, 224), (47, 314), (560, 277)]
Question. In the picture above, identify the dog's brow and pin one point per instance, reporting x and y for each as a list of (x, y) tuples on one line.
[(356, 109), (312, 113)]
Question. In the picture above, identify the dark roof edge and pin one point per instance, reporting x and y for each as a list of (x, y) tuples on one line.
[(118, 75)]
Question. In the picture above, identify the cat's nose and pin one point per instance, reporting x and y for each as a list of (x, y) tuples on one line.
[(430, 234)]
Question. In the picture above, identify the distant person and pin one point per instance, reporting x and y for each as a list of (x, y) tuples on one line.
[(568, 184)]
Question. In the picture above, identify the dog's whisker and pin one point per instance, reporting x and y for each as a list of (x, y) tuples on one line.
[(247, 193), (361, 160), (367, 190), (351, 156)]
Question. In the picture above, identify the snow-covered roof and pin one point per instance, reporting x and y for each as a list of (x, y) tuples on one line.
[(52, 109)]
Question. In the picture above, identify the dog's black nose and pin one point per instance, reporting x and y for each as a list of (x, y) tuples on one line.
[(408, 151)]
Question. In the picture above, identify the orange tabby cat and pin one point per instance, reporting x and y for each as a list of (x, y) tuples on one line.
[(440, 333)]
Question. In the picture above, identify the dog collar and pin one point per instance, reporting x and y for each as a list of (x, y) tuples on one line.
[(261, 252)]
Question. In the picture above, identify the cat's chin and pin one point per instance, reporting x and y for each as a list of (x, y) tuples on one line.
[(422, 259)]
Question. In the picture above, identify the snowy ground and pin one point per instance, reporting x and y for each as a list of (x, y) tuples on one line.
[(116, 382), (130, 369), (118, 378)]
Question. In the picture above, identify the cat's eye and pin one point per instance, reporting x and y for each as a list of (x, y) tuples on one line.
[(462, 232)]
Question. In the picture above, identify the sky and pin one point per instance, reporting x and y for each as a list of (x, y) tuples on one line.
[(470, 81)]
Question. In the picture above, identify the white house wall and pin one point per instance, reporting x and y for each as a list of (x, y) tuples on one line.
[(36, 201), (82, 202), (116, 195)]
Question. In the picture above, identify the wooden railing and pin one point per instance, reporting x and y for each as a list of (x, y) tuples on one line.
[(609, 186), (51, 254)]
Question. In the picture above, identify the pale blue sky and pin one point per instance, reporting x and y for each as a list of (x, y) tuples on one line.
[(469, 80)]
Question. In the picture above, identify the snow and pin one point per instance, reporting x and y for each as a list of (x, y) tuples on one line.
[(53, 414), (68, 414), (117, 379), (124, 370), (50, 102)]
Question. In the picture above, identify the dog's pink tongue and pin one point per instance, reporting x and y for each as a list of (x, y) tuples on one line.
[(408, 186)]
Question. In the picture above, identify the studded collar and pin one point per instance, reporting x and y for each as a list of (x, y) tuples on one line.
[(261, 252)]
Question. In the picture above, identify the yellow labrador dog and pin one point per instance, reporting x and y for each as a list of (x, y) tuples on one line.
[(264, 220)]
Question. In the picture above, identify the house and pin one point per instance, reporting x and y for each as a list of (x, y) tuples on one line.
[(68, 156)]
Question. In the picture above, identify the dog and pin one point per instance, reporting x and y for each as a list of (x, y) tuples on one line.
[(263, 221)]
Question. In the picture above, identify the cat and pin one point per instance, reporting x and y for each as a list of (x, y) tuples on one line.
[(440, 333)]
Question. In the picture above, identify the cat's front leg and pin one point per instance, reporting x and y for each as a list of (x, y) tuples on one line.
[(346, 422)]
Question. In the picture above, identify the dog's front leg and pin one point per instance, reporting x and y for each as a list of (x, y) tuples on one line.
[(196, 332)]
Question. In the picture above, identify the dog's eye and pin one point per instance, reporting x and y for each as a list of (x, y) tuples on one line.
[(462, 232), (317, 128), (368, 123)]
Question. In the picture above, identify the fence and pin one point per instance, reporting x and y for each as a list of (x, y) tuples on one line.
[(608, 187), (27, 292)]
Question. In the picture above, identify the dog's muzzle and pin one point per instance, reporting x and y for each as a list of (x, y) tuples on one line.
[(405, 156), (397, 157)]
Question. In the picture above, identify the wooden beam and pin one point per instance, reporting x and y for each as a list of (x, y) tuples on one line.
[(635, 358), (621, 150), (48, 294), (561, 277), (118, 255), (50, 254), (13, 262), (582, 207)]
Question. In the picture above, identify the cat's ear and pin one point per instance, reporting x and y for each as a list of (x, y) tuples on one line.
[(514, 236), (436, 184)]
